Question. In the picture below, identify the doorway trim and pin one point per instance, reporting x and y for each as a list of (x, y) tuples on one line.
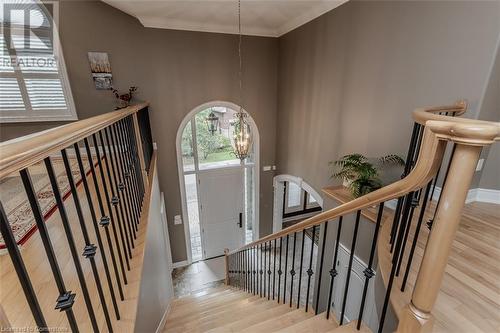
[(279, 189), (180, 170)]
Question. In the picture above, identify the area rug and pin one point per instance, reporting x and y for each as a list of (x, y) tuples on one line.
[(15, 201)]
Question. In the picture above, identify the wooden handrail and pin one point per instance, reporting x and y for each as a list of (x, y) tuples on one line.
[(20, 153), (438, 130)]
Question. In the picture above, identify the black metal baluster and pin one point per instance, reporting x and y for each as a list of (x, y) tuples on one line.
[(398, 244), (22, 274), (286, 268), (320, 271), (125, 161), (70, 238), (413, 205), (415, 237), (264, 271), (269, 272), (274, 269), (128, 160), (368, 272), (395, 222), (279, 270), (250, 280), (292, 271), (333, 271), (351, 257), (90, 249), (114, 160), (247, 262), (429, 223), (400, 222), (300, 269), (96, 228), (114, 201), (408, 165), (256, 269), (310, 271), (137, 175), (66, 298), (106, 220), (261, 272), (129, 174)]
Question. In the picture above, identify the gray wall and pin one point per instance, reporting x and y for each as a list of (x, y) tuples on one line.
[(156, 291), (490, 110), (176, 71), (349, 80)]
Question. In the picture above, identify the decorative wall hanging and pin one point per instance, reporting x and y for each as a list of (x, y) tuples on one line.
[(101, 70)]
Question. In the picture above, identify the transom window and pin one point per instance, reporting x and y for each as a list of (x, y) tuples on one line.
[(33, 81)]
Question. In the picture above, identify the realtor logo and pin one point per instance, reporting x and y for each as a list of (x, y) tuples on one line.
[(28, 26)]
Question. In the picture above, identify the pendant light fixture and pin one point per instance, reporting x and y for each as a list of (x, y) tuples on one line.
[(242, 133)]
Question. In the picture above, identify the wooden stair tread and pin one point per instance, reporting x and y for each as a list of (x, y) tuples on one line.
[(202, 294), (216, 305), (230, 316), (225, 310), (280, 322), (351, 328), (316, 324), (253, 319)]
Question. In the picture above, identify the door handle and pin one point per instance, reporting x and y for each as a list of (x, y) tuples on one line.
[(240, 223)]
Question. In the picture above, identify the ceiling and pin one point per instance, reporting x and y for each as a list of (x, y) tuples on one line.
[(271, 18)]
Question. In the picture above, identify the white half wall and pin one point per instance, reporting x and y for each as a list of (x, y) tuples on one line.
[(156, 290)]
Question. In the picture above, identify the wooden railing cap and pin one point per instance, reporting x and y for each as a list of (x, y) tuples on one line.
[(20, 153)]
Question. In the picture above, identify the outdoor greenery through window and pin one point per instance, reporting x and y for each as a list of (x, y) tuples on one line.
[(213, 150)]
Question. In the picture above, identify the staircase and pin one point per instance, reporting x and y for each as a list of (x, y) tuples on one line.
[(226, 309), (284, 282)]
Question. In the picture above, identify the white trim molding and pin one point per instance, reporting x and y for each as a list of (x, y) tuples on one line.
[(163, 320), (475, 195), (278, 184), (180, 169)]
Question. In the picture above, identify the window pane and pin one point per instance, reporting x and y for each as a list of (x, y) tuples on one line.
[(187, 148), (214, 150), (5, 63), (293, 194), (193, 216), (249, 204), (46, 94), (10, 95)]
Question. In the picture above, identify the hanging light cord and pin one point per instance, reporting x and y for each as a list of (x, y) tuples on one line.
[(240, 74)]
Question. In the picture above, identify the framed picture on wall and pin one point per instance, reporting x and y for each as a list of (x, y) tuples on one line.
[(101, 70)]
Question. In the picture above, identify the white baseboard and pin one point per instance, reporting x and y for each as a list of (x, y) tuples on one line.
[(163, 321), (476, 195), (180, 264)]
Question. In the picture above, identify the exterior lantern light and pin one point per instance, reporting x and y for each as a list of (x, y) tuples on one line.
[(212, 123)]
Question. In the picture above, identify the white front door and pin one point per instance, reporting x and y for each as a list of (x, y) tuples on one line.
[(221, 210)]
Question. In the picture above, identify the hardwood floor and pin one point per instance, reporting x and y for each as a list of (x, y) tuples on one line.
[(469, 300), (12, 297)]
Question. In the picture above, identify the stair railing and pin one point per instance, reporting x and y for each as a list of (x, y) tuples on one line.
[(434, 128), (111, 154)]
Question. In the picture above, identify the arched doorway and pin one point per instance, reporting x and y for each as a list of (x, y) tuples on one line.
[(219, 192)]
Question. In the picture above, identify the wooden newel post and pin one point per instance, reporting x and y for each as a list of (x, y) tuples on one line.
[(226, 261), (416, 316)]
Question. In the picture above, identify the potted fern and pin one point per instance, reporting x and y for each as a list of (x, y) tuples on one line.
[(361, 176)]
